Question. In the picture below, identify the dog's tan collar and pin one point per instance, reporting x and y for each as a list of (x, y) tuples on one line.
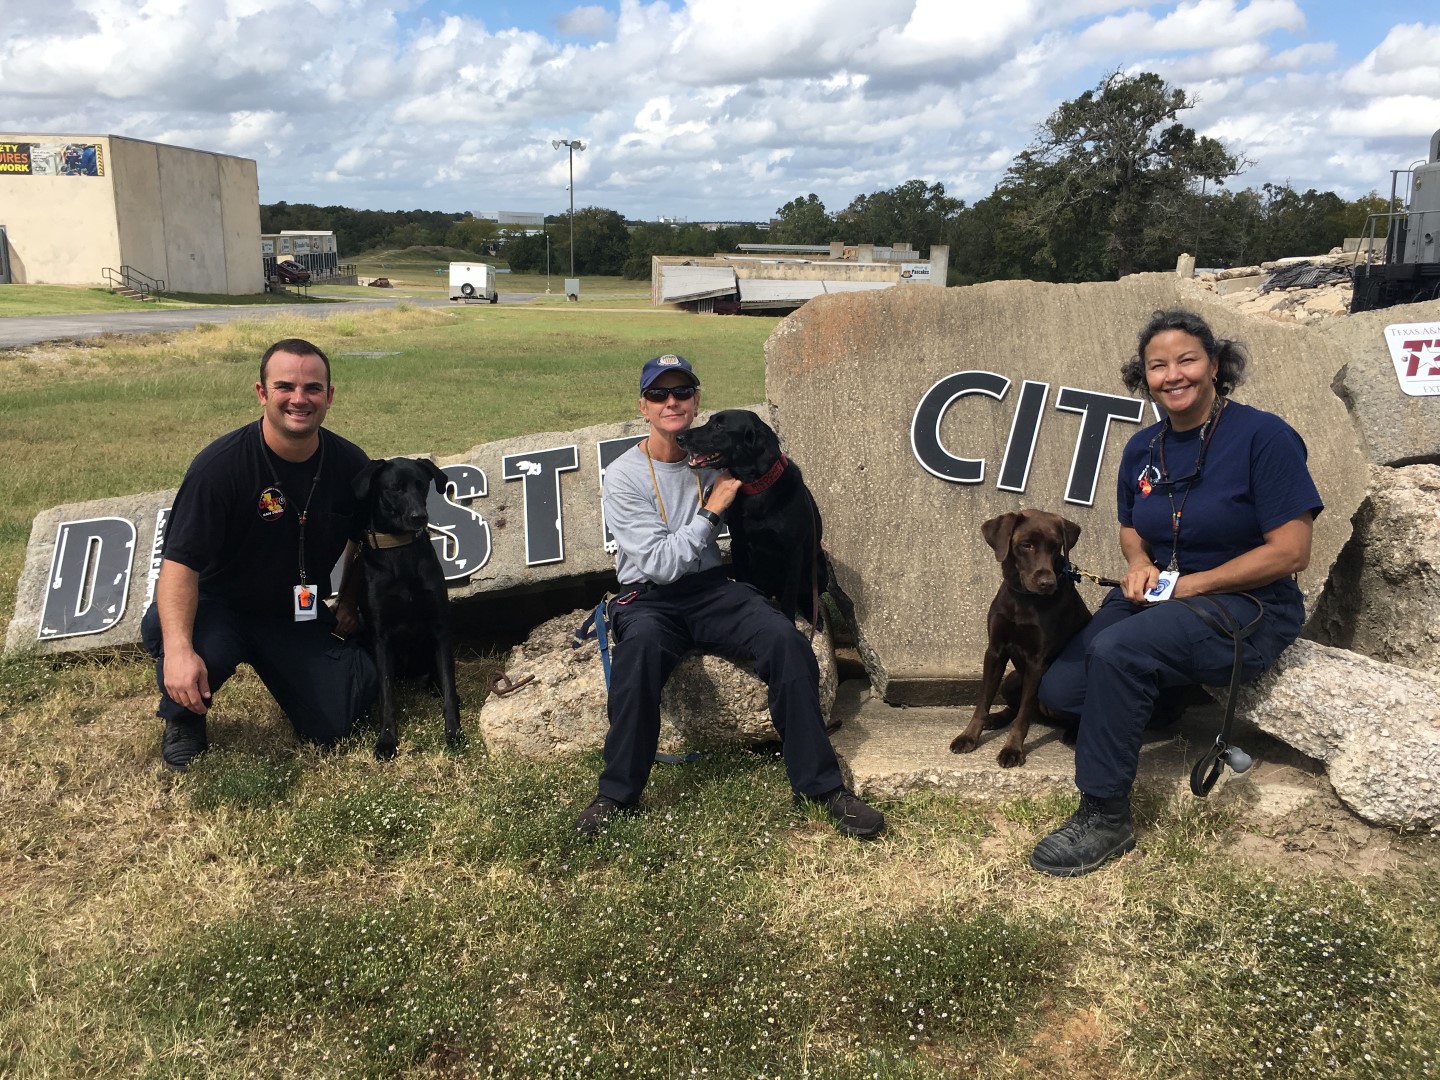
[(391, 540), (755, 487)]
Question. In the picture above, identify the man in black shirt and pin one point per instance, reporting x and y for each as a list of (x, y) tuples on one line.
[(262, 516)]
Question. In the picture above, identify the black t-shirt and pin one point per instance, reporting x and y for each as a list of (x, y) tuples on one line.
[(236, 518)]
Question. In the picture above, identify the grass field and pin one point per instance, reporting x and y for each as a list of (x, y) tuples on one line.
[(278, 912)]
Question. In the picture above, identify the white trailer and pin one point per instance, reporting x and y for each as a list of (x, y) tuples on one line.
[(472, 281)]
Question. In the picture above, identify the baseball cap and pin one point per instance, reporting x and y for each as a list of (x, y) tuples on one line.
[(653, 369)]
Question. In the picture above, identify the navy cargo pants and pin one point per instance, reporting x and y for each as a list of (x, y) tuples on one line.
[(1112, 672), (656, 627), (323, 684)]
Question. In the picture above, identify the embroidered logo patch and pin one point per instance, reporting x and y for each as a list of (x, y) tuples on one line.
[(669, 360), (272, 504)]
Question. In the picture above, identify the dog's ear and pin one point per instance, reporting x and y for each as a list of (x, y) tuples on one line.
[(361, 483), (997, 533), (436, 473), (1072, 533)]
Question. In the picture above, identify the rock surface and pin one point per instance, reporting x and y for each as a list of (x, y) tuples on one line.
[(1395, 428), (1383, 596), (707, 700), (1376, 727)]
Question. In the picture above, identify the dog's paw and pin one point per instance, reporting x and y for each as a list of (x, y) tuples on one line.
[(455, 740), (998, 719), (385, 750), (1010, 759), (963, 744)]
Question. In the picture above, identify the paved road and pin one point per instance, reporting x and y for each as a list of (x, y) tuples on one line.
[(21, 330)]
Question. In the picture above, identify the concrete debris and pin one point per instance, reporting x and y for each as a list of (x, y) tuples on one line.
[(1303, 290)]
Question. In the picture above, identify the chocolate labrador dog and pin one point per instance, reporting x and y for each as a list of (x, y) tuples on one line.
[(401, 593), (1034, 614), (775, 527)]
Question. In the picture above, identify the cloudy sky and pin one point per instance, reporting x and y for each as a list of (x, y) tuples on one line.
[(712, 109)]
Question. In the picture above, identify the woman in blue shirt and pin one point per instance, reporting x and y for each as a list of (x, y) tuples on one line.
[(1215, 500)]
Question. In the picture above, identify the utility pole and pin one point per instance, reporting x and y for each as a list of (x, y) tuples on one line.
[(572, 145)]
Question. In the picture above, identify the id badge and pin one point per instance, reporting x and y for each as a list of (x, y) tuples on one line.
[(305, 603), (1161, 589)]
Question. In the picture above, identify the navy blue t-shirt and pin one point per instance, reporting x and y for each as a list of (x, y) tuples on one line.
[(1254, 479)]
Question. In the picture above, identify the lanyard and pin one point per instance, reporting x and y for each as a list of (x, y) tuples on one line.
[(304, 513), (1207, 432), (699, 491)]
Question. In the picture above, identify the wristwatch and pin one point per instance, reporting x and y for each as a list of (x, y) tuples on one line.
[(710, 516)]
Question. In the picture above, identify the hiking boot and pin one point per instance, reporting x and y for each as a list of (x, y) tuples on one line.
[(1097, 832), (851, 815), (601, 811), (184, 740)]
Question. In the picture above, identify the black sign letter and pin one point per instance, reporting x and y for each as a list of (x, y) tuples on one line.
[(89, 577), (925, 427), (540, 471), (1098, 410)]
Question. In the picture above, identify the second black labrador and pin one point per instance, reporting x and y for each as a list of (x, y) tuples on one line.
[(775, 527), (402, 596)]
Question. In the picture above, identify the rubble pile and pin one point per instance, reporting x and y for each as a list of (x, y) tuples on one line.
[(1303, 290)]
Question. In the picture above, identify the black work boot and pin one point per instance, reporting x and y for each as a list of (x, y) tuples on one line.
[(1097, 832), (183, 741), (851, 814), (601, 811)]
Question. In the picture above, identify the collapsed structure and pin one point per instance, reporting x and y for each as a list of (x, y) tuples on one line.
[(778, 278)]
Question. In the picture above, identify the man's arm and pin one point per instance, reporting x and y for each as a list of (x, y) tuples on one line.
[(177, 595)]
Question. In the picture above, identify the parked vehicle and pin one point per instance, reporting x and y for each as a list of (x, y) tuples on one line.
[(473, 281), (292, 273)]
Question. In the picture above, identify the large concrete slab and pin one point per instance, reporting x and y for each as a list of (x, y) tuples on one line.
[(860, 381), (1395, 428), (890, 752)]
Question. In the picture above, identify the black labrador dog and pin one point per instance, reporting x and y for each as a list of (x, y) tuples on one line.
[(400, 589), (775, 527), (1035, 613)]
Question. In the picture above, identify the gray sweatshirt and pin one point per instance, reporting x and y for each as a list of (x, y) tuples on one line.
[(649, 548)]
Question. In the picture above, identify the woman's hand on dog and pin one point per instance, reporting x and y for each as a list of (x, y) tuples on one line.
[(722, 493)]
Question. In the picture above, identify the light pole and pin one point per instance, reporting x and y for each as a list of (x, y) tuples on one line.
[(546, 229), (573, 145)]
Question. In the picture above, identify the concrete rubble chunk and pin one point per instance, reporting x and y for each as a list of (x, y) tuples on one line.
[(708, 700), (848, 376), (1395, 428), (1383, 596), (1376, 727)]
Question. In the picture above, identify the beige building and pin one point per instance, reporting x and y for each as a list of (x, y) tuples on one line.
[(74, 205)]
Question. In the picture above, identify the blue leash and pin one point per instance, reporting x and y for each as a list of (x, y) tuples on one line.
[(597, 626)]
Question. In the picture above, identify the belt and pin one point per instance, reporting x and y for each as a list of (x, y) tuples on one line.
[(681, 586)]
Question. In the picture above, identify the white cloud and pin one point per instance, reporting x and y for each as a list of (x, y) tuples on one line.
[(724, 108)]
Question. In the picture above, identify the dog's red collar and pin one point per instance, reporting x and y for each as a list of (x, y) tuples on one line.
[(755, 487)]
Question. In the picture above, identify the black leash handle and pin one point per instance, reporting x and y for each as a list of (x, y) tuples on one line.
[(1207, 770)]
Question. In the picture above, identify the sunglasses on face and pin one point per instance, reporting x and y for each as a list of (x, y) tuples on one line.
[(658, 394)]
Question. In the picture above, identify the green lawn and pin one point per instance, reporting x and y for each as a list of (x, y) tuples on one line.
[(279, 912), (68, 300)]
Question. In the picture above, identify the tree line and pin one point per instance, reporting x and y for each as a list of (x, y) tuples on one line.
[(1112, 184)]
